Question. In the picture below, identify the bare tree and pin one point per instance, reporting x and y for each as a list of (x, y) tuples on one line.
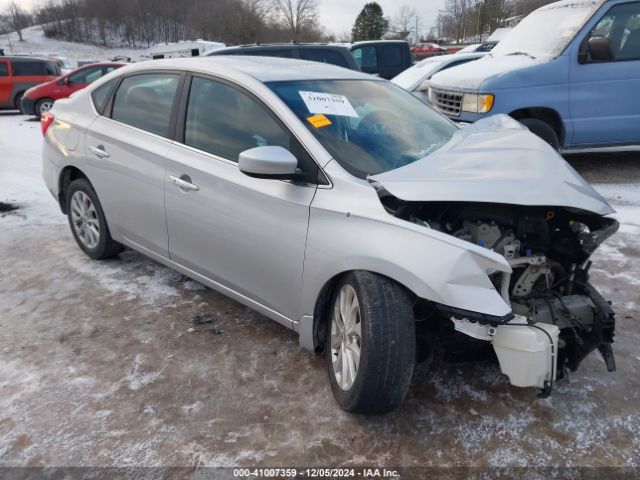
[(17, 17), (296, 15), (405, 19)]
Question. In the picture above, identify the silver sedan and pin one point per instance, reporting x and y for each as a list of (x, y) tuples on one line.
[(342, 207)]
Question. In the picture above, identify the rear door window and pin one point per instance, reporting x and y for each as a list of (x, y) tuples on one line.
[(324, 55), (145, 101), (4, 69)]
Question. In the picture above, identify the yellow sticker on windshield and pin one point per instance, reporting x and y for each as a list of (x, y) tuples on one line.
[(319, 121)]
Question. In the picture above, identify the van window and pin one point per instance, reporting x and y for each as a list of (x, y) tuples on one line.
[(282, 53), (53, 69), (145, 101), (366, 57), (324, 55), (4, 69), (392, 55), (621, 26), (26, 69)]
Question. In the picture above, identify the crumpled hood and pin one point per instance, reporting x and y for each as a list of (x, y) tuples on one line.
[(472, 75), (495, 160)]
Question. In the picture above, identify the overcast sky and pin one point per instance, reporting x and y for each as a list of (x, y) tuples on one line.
[(338, 15)]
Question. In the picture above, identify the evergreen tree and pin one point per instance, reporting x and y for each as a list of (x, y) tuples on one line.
[(370, 24)]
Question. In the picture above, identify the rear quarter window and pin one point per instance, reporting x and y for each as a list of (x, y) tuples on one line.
[(100, 96), (4, 69)]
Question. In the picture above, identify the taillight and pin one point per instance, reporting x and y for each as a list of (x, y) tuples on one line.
[(46, 119)]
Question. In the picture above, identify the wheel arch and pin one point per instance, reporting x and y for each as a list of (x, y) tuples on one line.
[(546, 114), (68, 175), (322, 307)]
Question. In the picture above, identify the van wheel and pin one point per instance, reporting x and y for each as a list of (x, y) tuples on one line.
[(43, 106), (543, 130), (87, 221), (16, 102), (370, 346)]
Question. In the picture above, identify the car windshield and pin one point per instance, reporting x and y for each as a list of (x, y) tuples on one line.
[(368, 126), (547, 31)]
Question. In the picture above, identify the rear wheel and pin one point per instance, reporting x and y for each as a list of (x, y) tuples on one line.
[(87, 221), (43, 106), (543, 130), (370, 345)]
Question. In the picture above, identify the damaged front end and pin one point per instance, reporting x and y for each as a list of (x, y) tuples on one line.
[(558, 316)]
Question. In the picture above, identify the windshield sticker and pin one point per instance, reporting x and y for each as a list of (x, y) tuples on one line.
[(319, 121), (328, 104)]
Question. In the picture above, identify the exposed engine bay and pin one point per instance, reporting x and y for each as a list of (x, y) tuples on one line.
[(548, 249)]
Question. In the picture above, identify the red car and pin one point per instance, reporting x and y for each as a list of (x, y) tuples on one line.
[(424, 50), (39, 99)]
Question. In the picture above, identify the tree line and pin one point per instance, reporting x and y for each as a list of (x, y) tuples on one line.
[(142, 23), (465, 21)]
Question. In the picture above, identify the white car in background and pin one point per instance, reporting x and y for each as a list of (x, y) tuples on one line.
[(416, 79)]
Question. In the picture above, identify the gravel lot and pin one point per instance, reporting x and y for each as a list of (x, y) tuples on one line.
[(126, 362)]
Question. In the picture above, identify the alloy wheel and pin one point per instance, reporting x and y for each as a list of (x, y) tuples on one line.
[(85, 219), (44, 106), (346, 337)]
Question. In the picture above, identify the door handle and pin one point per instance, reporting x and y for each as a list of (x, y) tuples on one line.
[(184, 183), (99, 151)]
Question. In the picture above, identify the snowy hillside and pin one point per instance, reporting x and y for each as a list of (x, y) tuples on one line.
[(35, 43)]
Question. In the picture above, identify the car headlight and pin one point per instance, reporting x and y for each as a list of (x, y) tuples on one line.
[(474, 103)]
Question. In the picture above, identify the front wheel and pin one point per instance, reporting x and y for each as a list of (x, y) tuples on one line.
[(88, 223), (542, 129), (370, 346)]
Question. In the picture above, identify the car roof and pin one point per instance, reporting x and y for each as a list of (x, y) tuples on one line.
[(280, 46), (388, 42), (264, 69), (28, 59)]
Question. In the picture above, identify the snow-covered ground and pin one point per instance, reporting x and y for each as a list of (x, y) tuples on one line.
[(106, 364), (35, 43)]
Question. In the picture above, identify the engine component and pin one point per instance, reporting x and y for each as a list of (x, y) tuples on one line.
[(537, 267), (565, 312)]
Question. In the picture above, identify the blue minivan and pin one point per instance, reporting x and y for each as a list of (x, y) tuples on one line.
[(570, 72)]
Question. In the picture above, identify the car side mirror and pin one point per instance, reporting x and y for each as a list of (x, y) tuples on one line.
[(600, 49), (268, 162)]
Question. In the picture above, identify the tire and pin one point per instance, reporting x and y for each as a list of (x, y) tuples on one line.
[(543, 130), (387, 344), (86, 218), (43, 105), (16, 102)]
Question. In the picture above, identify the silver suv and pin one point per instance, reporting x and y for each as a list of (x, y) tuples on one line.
[(342, 207)]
